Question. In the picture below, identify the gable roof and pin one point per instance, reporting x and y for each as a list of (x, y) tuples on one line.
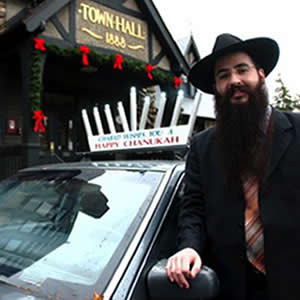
[(164, 33), (183, 44), (32, 21), (43, 12), (187, 44)]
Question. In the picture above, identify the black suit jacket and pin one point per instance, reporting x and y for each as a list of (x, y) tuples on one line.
[(212, 221)]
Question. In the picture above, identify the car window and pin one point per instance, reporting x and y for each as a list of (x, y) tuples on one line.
[(54, 225)]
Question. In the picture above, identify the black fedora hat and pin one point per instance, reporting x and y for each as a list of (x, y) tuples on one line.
[(264, 52)]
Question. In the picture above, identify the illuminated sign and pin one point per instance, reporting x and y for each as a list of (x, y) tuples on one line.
[(101, 26)]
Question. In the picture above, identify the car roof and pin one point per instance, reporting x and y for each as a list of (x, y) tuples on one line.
[(140, 165)]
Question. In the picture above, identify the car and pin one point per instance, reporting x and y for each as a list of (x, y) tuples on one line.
[(93, 230), (99, 229)]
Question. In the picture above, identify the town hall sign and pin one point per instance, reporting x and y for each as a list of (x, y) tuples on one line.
[(101, 26)]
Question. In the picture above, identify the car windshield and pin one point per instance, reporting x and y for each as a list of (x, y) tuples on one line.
[(64, 226)]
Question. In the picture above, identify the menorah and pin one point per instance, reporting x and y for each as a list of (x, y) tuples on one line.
[(136, 136)]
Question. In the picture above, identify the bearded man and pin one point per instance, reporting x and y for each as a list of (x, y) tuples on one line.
[(240, 213)]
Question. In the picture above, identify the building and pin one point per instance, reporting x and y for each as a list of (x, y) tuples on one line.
[(60, 56), (206, 113)]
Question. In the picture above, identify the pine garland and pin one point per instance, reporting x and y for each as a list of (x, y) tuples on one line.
[(36, 81), (96, 59)]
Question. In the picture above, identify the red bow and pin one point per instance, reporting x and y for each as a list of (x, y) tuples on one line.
[(38, 116), (177, 82), (39, 44), (118, 62), (149, 69), (85, 51)]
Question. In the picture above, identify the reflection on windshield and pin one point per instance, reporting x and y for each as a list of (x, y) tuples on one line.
[(37, 213), (56, 225)]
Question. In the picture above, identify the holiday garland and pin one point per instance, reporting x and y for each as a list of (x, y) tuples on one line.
[(90, 57), (36, 81)]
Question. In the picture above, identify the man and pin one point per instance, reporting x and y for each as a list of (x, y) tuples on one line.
[(240, 213)]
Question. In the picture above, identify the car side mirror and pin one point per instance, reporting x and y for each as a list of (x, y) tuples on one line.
[(204, 286)]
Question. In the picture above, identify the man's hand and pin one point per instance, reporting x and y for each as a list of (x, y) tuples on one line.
[(183, 265)]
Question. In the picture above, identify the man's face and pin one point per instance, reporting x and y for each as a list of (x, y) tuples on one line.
[(235, 71), (241, 102)]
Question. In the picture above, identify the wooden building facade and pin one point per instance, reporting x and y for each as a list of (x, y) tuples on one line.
[(44, 43)]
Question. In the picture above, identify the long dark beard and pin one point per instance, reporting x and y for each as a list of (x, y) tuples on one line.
[(241, 134)]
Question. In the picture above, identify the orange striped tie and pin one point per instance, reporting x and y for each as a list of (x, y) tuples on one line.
[(254, 229)]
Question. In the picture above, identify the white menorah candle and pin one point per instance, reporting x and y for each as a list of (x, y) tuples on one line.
[(133, 109), (109, 118), (145, 112), (160, 113), (123, 116), (98, 120), (86, 123), (177, 108), (193, 116)]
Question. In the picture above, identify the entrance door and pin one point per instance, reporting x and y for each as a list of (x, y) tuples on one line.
[(59, 140)]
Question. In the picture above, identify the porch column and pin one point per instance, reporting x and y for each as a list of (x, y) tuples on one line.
[(30, 139)]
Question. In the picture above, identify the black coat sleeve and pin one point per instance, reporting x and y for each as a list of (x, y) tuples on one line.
[(191, 219)]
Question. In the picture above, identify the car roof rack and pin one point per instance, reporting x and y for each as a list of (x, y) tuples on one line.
[(134, 141)]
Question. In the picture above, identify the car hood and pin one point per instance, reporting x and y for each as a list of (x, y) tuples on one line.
[(8, 292)]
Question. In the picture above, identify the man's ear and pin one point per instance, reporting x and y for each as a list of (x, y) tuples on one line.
[(261, 73)]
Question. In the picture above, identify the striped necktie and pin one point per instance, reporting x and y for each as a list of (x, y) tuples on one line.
[(254, 229)]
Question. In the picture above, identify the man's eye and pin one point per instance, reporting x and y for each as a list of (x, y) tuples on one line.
[(223, 76), (242, 70)]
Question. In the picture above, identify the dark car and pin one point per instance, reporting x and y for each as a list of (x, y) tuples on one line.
[(89, 230)]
